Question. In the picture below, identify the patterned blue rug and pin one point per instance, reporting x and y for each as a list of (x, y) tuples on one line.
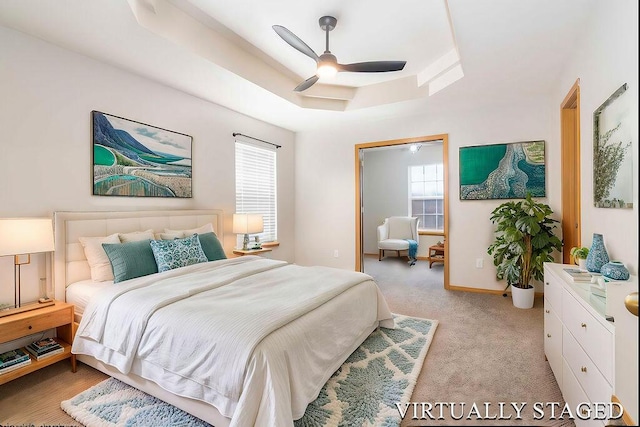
[(363, 392)]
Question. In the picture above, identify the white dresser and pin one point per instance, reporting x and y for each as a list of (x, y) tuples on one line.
[(580, 341)]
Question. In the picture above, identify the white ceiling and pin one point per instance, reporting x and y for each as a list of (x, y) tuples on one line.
[(366, 30), (226, 51)]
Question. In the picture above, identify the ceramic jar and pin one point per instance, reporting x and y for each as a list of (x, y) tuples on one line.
[(615, 270), (598, 255)]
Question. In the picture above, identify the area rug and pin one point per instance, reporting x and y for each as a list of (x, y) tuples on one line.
[(363, 392)]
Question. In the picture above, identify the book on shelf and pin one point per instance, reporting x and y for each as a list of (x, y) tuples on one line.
[(11, 357), (44, 344), (40, 347), (15, 366), (51, 351), (578, 275)]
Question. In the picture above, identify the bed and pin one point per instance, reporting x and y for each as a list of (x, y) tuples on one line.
[(259, 337)]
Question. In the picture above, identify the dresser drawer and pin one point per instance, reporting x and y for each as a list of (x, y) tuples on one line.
[(553, 290), (574, 396), (592, 336), (36, 322), (592, 381), (553, 340)]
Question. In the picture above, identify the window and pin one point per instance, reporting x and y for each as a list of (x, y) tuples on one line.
[(426, 190), (256, 186)]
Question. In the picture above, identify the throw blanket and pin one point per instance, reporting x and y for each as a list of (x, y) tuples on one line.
[(413, 251), (203, 323)]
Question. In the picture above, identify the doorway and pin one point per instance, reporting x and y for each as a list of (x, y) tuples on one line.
[(424, 235), (570, 146)]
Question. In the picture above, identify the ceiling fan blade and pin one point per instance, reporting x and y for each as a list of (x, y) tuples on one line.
[(373, 66), (306, 84), (295, 41)]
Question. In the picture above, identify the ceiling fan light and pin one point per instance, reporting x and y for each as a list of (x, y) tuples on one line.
[(326, 71)]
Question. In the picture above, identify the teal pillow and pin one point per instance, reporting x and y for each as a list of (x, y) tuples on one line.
[(170, 254), (211, 246), (130, 260)]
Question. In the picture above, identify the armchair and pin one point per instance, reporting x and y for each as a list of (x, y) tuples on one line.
[(394, 232)]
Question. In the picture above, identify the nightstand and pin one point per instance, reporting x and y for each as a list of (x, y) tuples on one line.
[(59, 316), (436, 254), (251, 251)]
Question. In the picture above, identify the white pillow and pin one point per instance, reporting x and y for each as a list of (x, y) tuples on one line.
[(136, 236), (97, 257), (207, 228), (169, 236)]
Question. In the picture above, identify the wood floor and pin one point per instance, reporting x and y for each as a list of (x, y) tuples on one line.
[(35, 398)]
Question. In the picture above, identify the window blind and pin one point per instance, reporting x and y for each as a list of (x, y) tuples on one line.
[(256, 186)]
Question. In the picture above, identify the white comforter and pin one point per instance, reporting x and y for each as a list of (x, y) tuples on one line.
[(242, 334)]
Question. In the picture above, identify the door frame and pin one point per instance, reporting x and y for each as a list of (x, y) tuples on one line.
[(570, 154), (358, 199)]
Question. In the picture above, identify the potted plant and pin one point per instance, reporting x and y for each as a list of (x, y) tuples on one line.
[(580, 256), (524, 242)]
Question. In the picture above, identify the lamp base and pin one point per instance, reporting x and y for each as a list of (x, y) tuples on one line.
[(245, 243), (26, 307)]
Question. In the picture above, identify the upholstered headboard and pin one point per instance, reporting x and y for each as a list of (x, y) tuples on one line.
[(69, 263)]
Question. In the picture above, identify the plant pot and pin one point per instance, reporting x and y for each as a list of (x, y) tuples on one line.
[(523, 298), (582, 263)]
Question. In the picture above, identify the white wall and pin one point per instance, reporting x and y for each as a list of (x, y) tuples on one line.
[(385, 188), (606, 56), (47, 94), (329, 203)]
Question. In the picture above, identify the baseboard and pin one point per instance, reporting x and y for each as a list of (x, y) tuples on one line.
[(475, 290), (423, 258), (484, 291)]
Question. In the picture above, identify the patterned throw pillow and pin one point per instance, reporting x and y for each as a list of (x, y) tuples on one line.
[(170, 254)]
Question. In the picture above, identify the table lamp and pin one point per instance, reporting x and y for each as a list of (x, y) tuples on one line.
[(247, 224), (22, 237)]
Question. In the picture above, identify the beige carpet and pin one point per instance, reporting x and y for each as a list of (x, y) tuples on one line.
[(484, 350)]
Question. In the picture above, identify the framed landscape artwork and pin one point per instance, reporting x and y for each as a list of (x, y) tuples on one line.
[(502, 171), (134, 159)]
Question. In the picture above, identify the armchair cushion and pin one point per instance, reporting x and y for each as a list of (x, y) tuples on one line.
[(394, 232)]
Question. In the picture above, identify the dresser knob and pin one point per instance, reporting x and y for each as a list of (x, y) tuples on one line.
[(30, 327), (583, 369), (547, 311), (584, 325), (546, 283), (548, 335)]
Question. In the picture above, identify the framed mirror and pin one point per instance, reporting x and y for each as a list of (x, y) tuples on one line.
[(612, 152)]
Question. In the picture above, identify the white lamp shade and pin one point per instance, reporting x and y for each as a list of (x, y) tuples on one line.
[(25, 236), (247, 223)]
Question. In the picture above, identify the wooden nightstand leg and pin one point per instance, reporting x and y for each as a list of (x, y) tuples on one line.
[(73, 363)]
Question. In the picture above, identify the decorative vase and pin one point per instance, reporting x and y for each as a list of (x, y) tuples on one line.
[(597, 254), (523, 298), (615, 270)]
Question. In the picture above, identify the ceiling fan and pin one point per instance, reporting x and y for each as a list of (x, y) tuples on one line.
[(327, 62)]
